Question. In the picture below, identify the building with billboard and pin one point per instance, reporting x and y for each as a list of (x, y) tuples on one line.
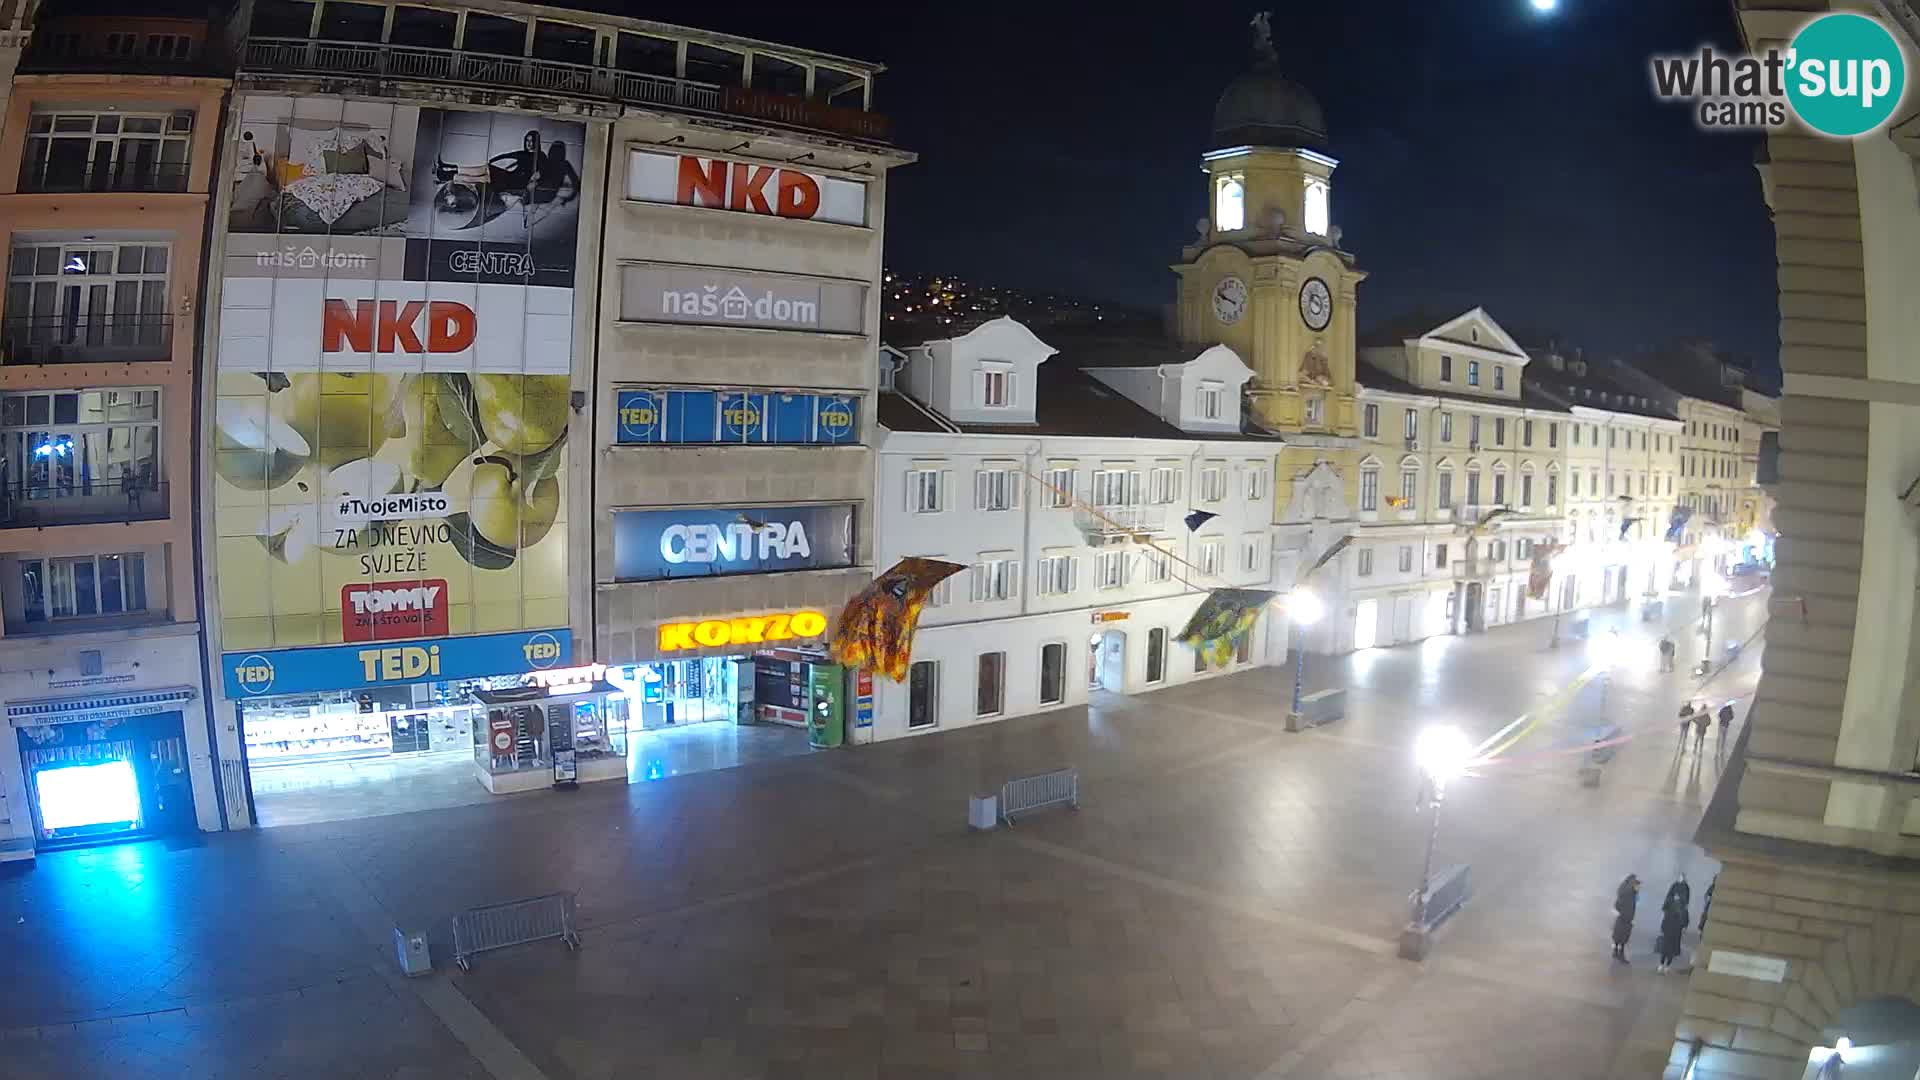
[(106, 175), (426, 538)]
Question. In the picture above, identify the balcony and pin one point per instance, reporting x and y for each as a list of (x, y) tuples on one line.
[(38, 506), (113, 339), (1117, 524), (60, 177), (386, 61)]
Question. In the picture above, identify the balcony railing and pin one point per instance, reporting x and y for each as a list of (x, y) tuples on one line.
[(112, 339), (27, 506), (40, 177), (372, 59), (1119, 522)]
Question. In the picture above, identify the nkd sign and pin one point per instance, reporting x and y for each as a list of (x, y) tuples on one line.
[(744, 187), (707, 542), (659, 292)]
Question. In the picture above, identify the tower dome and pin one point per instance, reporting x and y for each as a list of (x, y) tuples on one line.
[(1265, 108)]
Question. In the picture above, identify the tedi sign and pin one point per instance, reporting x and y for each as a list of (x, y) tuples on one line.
[(1843, 75)]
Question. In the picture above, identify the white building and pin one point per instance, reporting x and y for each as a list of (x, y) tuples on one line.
[(1034, 470)]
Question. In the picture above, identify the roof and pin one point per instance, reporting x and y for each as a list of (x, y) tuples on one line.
[(897, 412), (1530, 397), (1068, 401), (1400, 328), (1690, 371), (1602, 385)]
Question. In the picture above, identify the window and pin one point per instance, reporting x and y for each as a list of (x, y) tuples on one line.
[(1250, 553), (1526, 433), (1473, 373), (1406, 558), (996, 488), (1593, 483), (1209, 402), (996, 577), (1409, 489), (1163, 485), (1370, 421), (1473, 431), (1643, 440), (107, 151), (1363, 562), (1526, 490), (1158, 564), (1213, 483), (1497, 551), (923, 694), (1053, 672), (1499, 431), (1256, 481), (1669, 483), (1446, 427), (1156, 654), (1499, 377), (990, 692), (1059, 486), (1212, 552), (1576, 434), (1473, 487), (1115, 487), (1643, 483), (1553, 436), (924, 489), (1056, 575), (1315, 210), (996, 387), (1609, 483), (1440, 556), (942, 594), (1553, 489), (1369, 489), (110, 298), (1445, 493), (1593, 434), (75, 444), (87, 585), (1110, 569), (1499, 489), (1316, 410), (1229, 204), (1523, 548), (1610, 434), (1446, 368), (1410, 427)]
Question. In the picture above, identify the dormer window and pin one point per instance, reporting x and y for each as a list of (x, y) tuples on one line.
[(1499, 377), (996, 385), (1229, 204), (1209, 400), (1315, 208)]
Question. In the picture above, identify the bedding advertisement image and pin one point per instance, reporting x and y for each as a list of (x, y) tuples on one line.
[(393, 373)]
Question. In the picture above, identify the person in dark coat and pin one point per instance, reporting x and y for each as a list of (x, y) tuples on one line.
[(1679, 891), (1686, 722), (1625, 901), (1673, 921), (1726, 727)]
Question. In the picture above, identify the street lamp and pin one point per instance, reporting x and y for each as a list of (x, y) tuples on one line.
[(1713, 586), (1442, 753), (1304, 608), (1605, 651), (1561, 564)]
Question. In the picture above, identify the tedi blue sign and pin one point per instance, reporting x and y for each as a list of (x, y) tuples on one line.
[(345, 667), (710, 541), (736, 417)]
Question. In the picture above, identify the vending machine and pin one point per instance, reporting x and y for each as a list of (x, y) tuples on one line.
[(826, 704)]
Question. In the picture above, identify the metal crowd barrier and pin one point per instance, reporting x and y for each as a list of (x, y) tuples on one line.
[(497, 926), (1030, 793)]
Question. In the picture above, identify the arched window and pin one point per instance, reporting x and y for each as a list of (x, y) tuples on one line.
[(1229, 205), (1316, 211)]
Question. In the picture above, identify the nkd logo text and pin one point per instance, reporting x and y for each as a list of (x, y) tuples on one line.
[(392, 610), (1842, 75)]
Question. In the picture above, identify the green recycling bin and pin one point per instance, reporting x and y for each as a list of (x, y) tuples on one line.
[(826, 705)]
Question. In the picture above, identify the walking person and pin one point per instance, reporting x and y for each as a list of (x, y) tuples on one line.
[(1726, 728), (1686, 722), (1666, 653), (1680, 891), (1700, 719), (1673, 922), (1625, 901)]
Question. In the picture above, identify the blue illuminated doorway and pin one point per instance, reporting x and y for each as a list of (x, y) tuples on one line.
[(91, 782)]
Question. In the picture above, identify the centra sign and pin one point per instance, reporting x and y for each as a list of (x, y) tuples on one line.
[(746, 630)]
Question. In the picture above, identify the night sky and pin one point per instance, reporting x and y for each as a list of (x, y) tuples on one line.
[(1488, 155)]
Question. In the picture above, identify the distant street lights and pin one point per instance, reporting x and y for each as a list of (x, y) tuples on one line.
[(1304, 608)]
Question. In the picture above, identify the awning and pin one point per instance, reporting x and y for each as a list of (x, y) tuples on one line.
[(98, 707)]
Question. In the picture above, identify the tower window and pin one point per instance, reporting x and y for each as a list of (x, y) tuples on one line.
[(1229, 205), (1316, 207)]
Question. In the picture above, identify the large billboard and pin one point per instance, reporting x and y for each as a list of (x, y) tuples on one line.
[(390, 430), (649, 545)]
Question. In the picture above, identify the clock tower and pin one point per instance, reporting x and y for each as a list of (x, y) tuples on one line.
[(1266, 276)]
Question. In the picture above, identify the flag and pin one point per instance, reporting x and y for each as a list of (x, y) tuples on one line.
[(876, 627), (1677, 524), (1540, 570), (1222, 620), (1199, 518), (1487, 519), (1625, 524), (1326, 557)]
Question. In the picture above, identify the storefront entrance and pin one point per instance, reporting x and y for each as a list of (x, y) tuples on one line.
[(94, 780)]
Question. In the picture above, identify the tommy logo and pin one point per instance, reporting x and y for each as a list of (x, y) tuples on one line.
[(393, 610)]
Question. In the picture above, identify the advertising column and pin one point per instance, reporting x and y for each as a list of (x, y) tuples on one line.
[(393, 374)]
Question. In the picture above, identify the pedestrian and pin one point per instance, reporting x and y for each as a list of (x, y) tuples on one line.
[(1679, 891), (1673, 921), (1700, 719), (1686, 721), (1666, 653), (1625, 901), (1726, 725)]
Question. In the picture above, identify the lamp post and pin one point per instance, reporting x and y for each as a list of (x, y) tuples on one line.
[(1712, 587), (1561, 563), (1304, 608), (1442, 754), (1605, 652)]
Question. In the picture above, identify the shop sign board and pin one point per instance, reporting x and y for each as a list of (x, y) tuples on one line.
[(339, 667), (710, 541), (744, 187), (741, 630), (710, 296), (863, 699), (393, 373), (735, 417)]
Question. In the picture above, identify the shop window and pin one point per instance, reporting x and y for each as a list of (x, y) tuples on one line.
[(1156, 654), (84, 586), (990, 690), (1053, 673), (923, 694), (423, 28)]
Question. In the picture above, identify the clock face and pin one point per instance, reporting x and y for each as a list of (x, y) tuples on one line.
[(1229, 300), (1316, 304)]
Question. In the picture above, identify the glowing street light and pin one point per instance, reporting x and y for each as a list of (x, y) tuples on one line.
[(1443, 753), (1304, 608), (1713, 586), (1545, 6)]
